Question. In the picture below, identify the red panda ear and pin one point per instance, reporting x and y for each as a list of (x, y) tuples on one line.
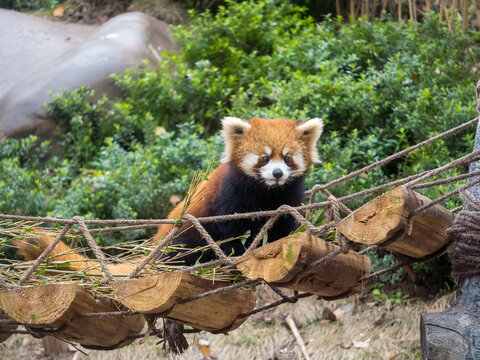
[(310, 131), (232, 128)]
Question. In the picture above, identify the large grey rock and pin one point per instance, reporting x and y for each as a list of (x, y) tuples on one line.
[(88, 59), (29, 42)]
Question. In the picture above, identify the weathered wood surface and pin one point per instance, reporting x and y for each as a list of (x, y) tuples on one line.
[(386, 219), (454, 334), (8, 327), (56, 307), (282, 263), (161, 294)]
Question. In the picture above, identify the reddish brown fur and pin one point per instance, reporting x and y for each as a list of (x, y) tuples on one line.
[(205, 194)]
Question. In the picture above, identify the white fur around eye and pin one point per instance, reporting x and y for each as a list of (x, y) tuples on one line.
[(268, 150), (285, 151), (298, 160), (248, 163)]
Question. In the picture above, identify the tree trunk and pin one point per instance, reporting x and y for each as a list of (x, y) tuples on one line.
[(455, 333)]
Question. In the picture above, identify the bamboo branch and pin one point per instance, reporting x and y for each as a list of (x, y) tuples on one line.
[(291, 323)]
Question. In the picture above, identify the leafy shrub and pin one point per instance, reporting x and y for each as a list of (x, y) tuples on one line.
[(29, 5)]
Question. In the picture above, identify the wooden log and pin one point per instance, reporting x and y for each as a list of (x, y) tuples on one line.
[(282, 262), (160, 294), (56, 308), (6, 327), (386, 219)]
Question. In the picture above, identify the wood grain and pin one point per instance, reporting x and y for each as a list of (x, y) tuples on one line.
[(387, 219), (161, 294), (56, 307), (282, 263)]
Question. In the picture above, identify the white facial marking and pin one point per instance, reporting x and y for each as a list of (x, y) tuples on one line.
[(266, 172), (285, 151), (248, 162), (298, 159), (268, 151)]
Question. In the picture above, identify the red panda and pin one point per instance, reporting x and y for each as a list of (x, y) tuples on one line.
[(263, 167)]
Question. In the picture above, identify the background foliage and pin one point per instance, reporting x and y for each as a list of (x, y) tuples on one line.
[(380, 86)]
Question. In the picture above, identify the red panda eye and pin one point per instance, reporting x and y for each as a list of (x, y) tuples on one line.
[(265, 159), (287, 159)]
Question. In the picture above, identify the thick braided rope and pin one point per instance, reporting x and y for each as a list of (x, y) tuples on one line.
[(95, 248), (390, 158), (213, 245), (267, 226), (464, 252)]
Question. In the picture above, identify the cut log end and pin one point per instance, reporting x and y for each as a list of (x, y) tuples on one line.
[(282, 263), (57, 307), (163, 294), (388, 219)]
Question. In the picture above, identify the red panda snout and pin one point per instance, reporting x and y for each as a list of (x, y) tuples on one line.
[(275, 173)]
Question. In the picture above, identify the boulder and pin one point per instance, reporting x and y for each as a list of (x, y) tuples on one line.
[(83, 56)]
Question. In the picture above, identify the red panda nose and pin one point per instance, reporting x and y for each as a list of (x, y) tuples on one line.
[(277, 173)]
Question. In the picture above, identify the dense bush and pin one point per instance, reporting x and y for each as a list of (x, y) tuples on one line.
[(379, 87), (29, 5)]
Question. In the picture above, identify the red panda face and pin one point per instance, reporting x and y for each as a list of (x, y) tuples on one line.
[(273, 151)]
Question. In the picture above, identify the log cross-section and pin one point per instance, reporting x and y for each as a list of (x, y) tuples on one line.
[(58, 308), (387, 220), (282, 263), (163, 293)]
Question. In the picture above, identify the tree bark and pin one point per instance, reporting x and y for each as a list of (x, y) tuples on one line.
[(455, 333)]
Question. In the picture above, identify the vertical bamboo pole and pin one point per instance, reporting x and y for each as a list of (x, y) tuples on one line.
[(410, 9), (399, 11), (464, 12), (374, 9), (337, 7), (442, 10), (429, 5), (477, 12), (352, 10), (450, 15), (384, 5)]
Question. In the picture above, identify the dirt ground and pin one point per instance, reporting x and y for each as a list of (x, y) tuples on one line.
[(373, 331)]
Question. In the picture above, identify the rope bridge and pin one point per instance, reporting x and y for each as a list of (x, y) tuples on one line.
[(302, 262)]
